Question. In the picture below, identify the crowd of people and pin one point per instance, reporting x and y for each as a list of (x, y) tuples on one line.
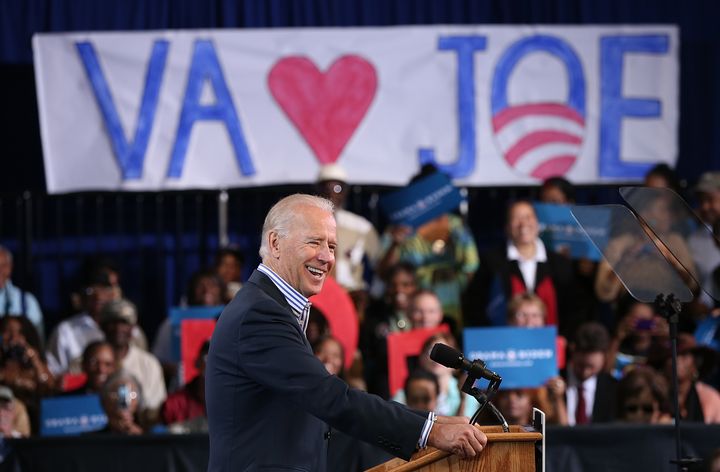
[(618, 351)]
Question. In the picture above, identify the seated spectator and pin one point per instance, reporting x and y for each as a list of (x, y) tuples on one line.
[(643, 397), (522, 265), (703, 246), (117, 320), (560, 191), (662, 176), (100, 266), (14, 420), (22, 365), (184, 410), (699, 401), (443, 252), (638, 329), (634, 254), (68, 340), (516, 405), (122, 399), (205, 288), (388, 315), (591, 394), (422, 390), (557, 190), (450, 401), (358, 244), (526, 310), (229, 263), (14, 300), (425, 310), (331, 354), (317, 326), (98, 364)]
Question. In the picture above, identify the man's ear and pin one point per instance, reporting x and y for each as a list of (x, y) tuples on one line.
[(274, 244)]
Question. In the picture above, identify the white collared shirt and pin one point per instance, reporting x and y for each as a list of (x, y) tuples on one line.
[(589, 386), (299, 304), (528, 267)]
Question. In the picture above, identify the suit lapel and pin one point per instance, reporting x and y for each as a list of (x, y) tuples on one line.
[(267, 286)]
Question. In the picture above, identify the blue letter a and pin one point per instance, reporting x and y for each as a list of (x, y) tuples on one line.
[(206, 66), (130, 155)]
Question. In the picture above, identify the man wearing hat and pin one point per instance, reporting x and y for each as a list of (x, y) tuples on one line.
[(358, 240), (705, 253), (117, 320)]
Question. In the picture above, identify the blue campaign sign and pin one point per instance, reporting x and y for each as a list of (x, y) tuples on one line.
[(708, 333), (524, 357), (75, 414), (422, 201), (178, 314), (560, 232)]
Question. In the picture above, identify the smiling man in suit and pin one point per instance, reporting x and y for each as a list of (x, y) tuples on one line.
[(270, 401)]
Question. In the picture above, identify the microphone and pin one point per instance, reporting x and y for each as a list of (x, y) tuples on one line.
[(452, 358)]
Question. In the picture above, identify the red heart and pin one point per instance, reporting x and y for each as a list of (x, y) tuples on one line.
[(325, 107)]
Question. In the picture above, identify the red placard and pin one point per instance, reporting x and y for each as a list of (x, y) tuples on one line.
[(404, 345), (193, 333), (337, 307)]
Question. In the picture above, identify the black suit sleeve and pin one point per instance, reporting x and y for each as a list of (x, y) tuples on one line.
[(272, 352)]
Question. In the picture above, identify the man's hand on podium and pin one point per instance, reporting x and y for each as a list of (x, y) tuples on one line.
[(455, 435)]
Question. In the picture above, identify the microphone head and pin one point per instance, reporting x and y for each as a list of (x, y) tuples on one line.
[(447, 356)]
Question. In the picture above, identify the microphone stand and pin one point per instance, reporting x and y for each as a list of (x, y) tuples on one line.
[(483, 398), (670, 307)]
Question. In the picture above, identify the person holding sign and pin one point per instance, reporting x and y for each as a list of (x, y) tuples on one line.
[(523, 265), (442, 249), (270, 401)]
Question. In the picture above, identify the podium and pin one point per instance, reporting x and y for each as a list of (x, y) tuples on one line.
[(508, 452)]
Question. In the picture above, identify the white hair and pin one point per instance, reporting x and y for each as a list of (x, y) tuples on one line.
[(282, 214)]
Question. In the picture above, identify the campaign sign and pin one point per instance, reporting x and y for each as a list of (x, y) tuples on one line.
[(178, 314), (708, 333), (193, 334), (561, 233), (68, 415), (403, 345), (524, 357), (422, 201)]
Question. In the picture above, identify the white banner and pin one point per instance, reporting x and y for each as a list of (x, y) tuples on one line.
[(491, 105)]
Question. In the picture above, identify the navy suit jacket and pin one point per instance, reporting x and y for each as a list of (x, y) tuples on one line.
[(270, 401)]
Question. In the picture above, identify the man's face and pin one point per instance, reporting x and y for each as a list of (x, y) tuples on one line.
[(425, 311), (330, 354), (587, 364), (334, 190), (100, 366), (307, 255), (522, 224), (96, 297), (421, 395), (118, 333), (400, 289), (528, 315), (709, 206), (5, 268)]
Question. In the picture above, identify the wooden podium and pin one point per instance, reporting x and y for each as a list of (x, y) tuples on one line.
[(507, 452)]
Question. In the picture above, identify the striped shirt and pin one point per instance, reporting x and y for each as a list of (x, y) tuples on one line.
[(301, 309), (298, 303)]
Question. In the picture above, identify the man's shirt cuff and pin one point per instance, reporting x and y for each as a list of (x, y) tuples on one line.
[(425, 434)]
